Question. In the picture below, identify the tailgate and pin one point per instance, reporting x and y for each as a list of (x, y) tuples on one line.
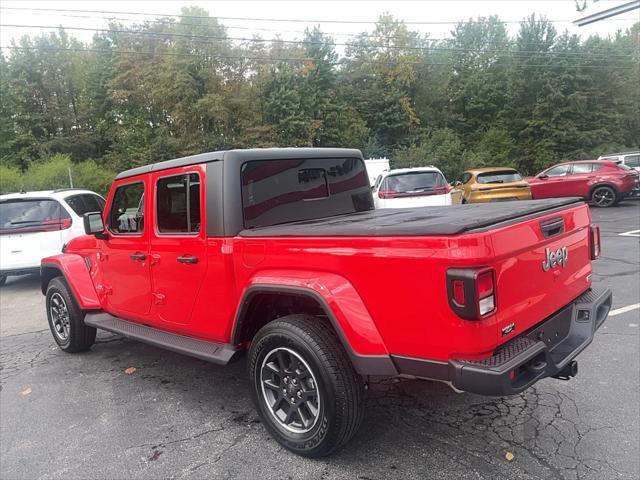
[(24, 250), (541, 265)]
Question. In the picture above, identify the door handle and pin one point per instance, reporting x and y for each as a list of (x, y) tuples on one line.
[(187, 259), (138, 257)]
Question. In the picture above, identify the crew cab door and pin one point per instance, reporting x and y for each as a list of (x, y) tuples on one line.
[(126, 276), (178, 253)]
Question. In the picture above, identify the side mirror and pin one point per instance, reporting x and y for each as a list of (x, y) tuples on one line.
[(93, 225), (457, 183)]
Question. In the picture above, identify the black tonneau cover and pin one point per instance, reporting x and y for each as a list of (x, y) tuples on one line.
[(421, 221)]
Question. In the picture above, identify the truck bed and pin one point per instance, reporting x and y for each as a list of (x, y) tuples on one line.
[(422, 221)]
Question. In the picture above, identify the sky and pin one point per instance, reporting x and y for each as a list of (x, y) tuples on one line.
[(311, 13)]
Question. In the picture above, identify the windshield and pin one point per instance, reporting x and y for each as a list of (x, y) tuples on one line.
[(505, 176), (413, 182), (20, 214)]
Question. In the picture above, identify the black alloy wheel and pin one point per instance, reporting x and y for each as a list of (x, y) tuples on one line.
[(304, 387), (289, 389), (66, 318), (59, 314), (604, 196)]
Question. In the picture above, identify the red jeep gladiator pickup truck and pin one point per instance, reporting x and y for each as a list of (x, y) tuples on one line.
[(279, 253)]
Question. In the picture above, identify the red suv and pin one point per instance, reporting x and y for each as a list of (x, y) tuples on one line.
[(602, 182)]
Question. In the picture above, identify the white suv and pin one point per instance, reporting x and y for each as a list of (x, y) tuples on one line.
[(630, 159), (411, 187), (34, 225)]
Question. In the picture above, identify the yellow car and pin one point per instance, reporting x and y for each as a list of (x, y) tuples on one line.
[(492, 184)]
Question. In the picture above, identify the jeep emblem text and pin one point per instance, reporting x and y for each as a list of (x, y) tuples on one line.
[(553, 258)]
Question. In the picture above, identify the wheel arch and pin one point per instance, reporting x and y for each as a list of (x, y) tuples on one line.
[(48, 271), (603, 184), (263, 303), (74, 270)]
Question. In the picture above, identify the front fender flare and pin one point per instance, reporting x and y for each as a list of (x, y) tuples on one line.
[(74, 270), (343, 306)]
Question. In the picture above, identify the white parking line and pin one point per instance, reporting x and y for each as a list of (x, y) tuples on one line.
[(630, 233), (621, 310)]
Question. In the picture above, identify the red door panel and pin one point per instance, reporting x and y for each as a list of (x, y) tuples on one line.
[(178, 252), (124, 259)]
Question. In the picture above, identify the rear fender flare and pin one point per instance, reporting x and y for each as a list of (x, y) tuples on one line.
[(74, 270), (343, 307)]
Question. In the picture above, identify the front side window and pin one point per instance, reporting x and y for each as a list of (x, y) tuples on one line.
[(178, 204), (558, 171), (85, 203), (127, 210), (466, 177), (582, 168), (282, 191), (505, 176)]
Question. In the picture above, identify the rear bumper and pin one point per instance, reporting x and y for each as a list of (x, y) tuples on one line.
[(632, 194), (548, 350), (503, 196)]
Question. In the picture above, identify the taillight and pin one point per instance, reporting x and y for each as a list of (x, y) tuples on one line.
[(458, 292), (57, 224), (438, 191), (485, 288), (594, 241), (387, 194), (472, 292)]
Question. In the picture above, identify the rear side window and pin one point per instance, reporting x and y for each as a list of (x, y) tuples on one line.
[(582, 168), (505, 176), (30, 215), (178, 204), (632, 161), (127, 210), (281, 191), (85, 203), (413, 182)]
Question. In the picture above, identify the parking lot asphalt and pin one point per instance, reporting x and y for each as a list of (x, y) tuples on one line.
[(81, 416)]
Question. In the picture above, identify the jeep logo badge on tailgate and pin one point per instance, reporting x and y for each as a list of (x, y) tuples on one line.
[(553, 258)]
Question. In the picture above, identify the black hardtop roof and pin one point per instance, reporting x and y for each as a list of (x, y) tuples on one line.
[(243, 155)]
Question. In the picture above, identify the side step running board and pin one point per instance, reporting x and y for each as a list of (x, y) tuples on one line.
[(209, 351)]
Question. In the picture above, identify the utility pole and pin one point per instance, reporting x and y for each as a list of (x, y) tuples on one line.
[(70, 178)]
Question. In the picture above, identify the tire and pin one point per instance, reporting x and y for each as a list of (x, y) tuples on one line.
[(3, 280), (66, 319), (333, 414), (604, 196)]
